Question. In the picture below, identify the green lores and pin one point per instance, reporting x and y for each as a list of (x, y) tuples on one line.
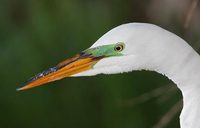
[(106, 50)]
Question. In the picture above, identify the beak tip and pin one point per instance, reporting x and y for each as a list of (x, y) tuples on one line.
[(20, 89), (22, 86)]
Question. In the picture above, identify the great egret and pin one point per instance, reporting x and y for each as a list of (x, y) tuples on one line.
[(137, 46)]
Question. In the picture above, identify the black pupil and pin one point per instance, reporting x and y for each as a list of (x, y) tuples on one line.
[(118, 48)]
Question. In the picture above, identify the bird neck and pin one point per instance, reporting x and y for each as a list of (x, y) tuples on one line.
[(183, 68), (186, 76)]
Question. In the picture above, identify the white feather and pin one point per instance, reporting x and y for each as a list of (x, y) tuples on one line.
[(150, 47)]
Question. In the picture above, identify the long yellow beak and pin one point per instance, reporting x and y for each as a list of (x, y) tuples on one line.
[(74, 65)]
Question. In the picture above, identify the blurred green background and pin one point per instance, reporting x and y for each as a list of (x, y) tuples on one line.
[(37, 34)]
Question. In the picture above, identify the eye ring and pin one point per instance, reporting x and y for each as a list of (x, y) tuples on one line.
[(119, 47)]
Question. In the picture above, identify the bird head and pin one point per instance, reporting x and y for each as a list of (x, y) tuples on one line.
[(119, 50)]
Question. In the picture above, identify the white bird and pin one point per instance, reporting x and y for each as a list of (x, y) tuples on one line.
[(137, 46)]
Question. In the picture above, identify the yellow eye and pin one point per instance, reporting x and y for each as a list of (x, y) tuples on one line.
[(119, 47)]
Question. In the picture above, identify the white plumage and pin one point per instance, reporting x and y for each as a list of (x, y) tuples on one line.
[(137, 46), (150, 47)]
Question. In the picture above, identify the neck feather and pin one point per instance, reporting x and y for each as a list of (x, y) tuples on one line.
[(186, 76), (183, 68)]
